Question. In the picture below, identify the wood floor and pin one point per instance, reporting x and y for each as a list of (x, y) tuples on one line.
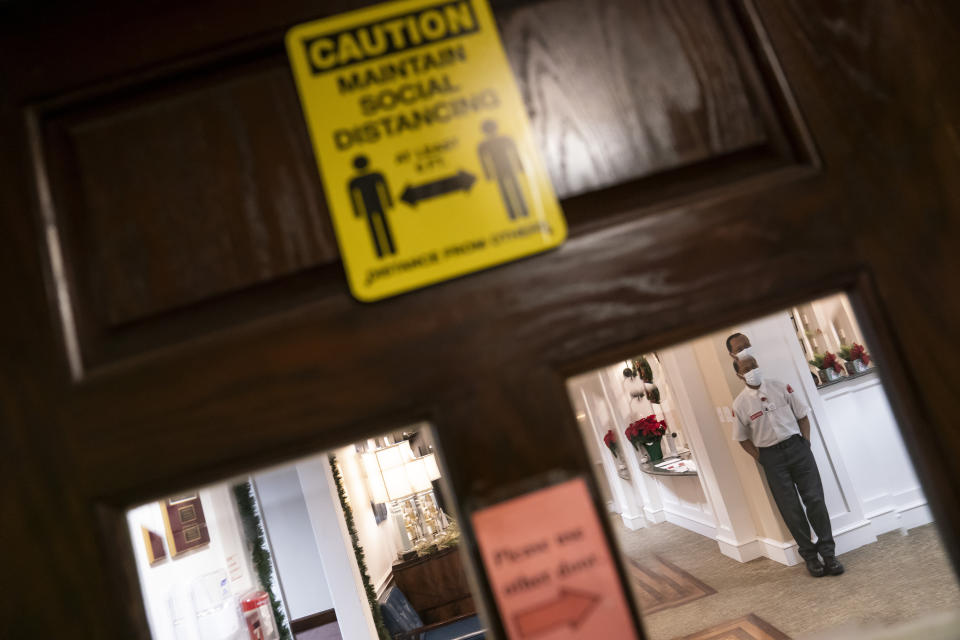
[(749, 627), (662, 585)]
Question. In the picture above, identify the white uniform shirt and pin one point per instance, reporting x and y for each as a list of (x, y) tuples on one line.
[(767, 415)]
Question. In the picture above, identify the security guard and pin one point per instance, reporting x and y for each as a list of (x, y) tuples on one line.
[(773, 427), (738, 346)]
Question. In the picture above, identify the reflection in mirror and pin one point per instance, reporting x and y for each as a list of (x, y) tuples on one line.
[(759, 485), (353, 543)]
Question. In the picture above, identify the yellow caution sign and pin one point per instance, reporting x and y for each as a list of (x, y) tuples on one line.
[(427, 159)]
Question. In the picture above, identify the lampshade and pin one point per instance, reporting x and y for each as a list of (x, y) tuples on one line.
[(417, 475), (433, 471), (397, 483), (387, 473), (393, 473), (378, 492)]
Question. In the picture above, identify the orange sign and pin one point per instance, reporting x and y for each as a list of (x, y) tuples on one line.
[(550, 568)]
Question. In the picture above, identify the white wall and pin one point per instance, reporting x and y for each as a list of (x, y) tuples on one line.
[(873, 450), (780, 356), (172, 577), (603, 397), (336, 550), (381, 542), (593, 398), (295, 555), (728, 489), (868, 480)]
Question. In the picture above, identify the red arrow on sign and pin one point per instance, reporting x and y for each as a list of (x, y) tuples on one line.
[(571, 608)]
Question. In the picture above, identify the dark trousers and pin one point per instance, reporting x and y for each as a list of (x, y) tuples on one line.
[(790, 468)]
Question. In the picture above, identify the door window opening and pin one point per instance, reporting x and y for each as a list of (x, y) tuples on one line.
[(356, 542), (758, 484)]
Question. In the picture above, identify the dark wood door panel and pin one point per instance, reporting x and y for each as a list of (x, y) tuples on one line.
[(620, 89), (177, 194), (186, 198), (483, 357), (296, 381)]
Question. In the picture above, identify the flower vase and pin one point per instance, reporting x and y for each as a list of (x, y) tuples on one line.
[(828, 375), (654, 450), (859, 366)]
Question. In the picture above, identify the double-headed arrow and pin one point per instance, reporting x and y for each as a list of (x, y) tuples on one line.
[(460, 181), (570, 608)]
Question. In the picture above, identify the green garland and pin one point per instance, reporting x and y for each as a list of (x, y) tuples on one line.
[(257, 547), (358, 551)]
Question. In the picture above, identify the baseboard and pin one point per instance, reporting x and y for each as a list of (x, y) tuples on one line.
[(914, 515), (692, 524), (633, 522), (854, 536), (383, 583), (782, 552), (883, 520), (903, 511), (313, 621), (656, 516), (846, 539), (741, 552)]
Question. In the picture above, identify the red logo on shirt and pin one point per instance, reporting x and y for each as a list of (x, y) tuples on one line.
[(756, 415), (789, 389)]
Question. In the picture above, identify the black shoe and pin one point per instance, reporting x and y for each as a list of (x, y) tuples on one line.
[(815, 567), (832, 566)]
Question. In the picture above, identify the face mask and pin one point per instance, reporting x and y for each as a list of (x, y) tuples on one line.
[(746, 351), (753, 377)]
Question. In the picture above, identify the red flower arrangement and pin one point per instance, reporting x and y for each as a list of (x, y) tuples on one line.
[(611, 441), (830, 361), (858, 352), (646, 430)]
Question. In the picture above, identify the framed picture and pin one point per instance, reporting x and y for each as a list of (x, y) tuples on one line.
[(153, 543), (185, 524), (379, 511)]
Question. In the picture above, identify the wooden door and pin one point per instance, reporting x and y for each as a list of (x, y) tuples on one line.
[(175, 311)]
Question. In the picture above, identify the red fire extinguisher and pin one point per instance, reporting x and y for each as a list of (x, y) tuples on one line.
[(256, 611)]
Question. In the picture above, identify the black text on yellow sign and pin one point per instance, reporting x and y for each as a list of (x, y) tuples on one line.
[(427, 159)]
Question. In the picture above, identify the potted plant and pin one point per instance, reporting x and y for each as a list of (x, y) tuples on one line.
[(648, 432), (830, 368), (858, 360)]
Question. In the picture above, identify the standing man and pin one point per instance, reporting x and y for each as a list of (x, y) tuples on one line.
[(738, 344), (773, 427)]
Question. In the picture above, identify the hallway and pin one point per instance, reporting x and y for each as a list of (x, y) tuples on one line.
[(898, 578)]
